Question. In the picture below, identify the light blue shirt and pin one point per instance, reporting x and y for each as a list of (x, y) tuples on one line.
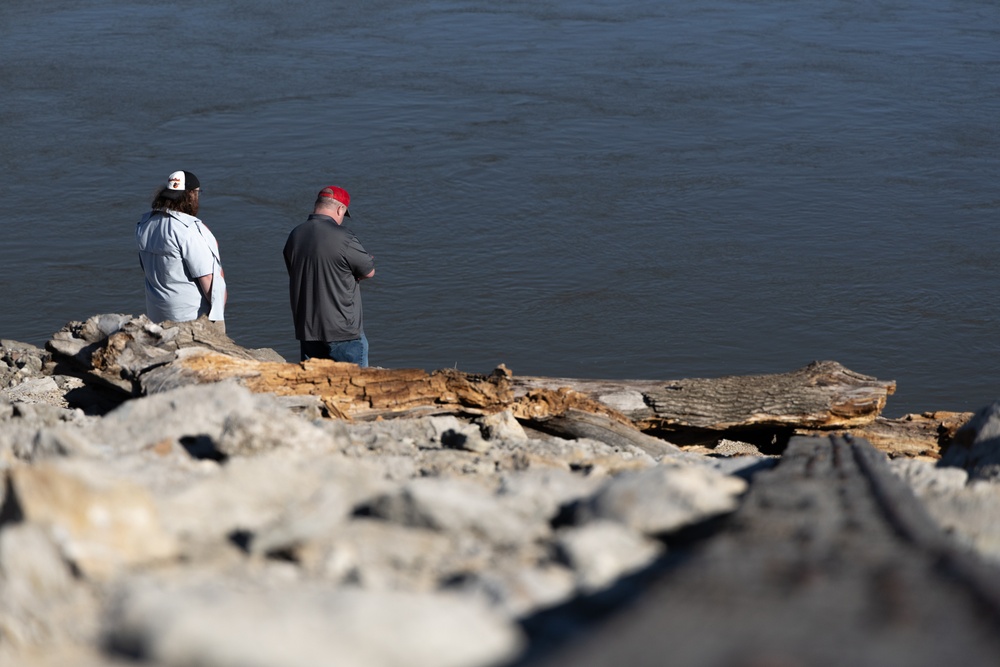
[(174, 250)]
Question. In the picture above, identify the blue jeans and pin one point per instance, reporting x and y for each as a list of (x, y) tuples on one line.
[(352, 351)]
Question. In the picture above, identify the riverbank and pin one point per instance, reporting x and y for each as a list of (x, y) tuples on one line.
[(207, 524)]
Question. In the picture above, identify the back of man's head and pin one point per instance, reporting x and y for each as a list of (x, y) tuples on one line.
[(180, 193), (331, 197)]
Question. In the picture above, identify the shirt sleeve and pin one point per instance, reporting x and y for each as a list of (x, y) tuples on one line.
[(199, 260), (361, 262)]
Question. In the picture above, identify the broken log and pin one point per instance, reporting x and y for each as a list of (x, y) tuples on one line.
[(348, 391), (923, 435), (574, 423), (140, 357), (822, 395)]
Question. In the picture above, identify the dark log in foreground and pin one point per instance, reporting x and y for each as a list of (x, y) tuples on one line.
[(829, 561)]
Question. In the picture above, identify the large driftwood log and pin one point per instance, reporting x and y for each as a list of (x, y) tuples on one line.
[(822, 395), (350, 392), (138, 357)]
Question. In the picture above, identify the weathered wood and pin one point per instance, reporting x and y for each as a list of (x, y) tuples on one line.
[(137, 356), (350, 392), (830, 560), (575, 423), (914, 435), (119, 349), (823, 394)]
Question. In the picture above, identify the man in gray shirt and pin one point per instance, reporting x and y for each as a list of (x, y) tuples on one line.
[(326, 264)]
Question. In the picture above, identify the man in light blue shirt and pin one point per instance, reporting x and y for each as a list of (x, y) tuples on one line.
[(180, 256)]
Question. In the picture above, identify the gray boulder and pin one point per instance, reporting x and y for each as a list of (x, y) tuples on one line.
[(664, 498), (41, 602), (601, 552), (458, 506), (976, 446), (220, 624), (925, 478)]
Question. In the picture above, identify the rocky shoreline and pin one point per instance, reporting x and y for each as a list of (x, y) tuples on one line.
[(211, 525)]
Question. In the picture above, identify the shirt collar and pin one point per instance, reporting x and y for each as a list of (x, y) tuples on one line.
[(320, 216)]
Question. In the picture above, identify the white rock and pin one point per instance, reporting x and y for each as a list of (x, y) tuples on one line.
[(30, 561), (519, 591), (198, 411), (602, 551), (215, 626), (925, 476), (43, 608), (664, 498), (456, 506), (976, 446), (502, 426), (543, 492), (378, 555), (269, 429), (253, 493), (101, 523)]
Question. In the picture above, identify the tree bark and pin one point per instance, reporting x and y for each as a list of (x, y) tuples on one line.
[(139, 357), (822, 395), (914, 435)]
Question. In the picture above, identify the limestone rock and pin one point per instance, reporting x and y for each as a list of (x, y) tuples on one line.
[(970, 515), (216, 625), (34, 390), (18, 362), (967, 511), (976, 446), (601, 552), (518, 591), (269, 428), (543, 492), (591, 457), (381, 556), (253, 494), (186, 414), (100, 523), (502, 426), (41, 603), (926, 477), (454, 505), (304, 521), (663, 498)]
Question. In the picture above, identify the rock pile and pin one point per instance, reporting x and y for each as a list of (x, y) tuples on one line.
[(207, 525)]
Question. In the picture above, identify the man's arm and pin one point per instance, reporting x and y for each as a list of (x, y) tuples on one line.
[(205, 284), (359, 259)]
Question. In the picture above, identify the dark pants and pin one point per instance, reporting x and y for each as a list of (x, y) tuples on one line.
[(352, 351)]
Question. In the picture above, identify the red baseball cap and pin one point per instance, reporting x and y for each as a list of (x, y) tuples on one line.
[(337, 194)]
